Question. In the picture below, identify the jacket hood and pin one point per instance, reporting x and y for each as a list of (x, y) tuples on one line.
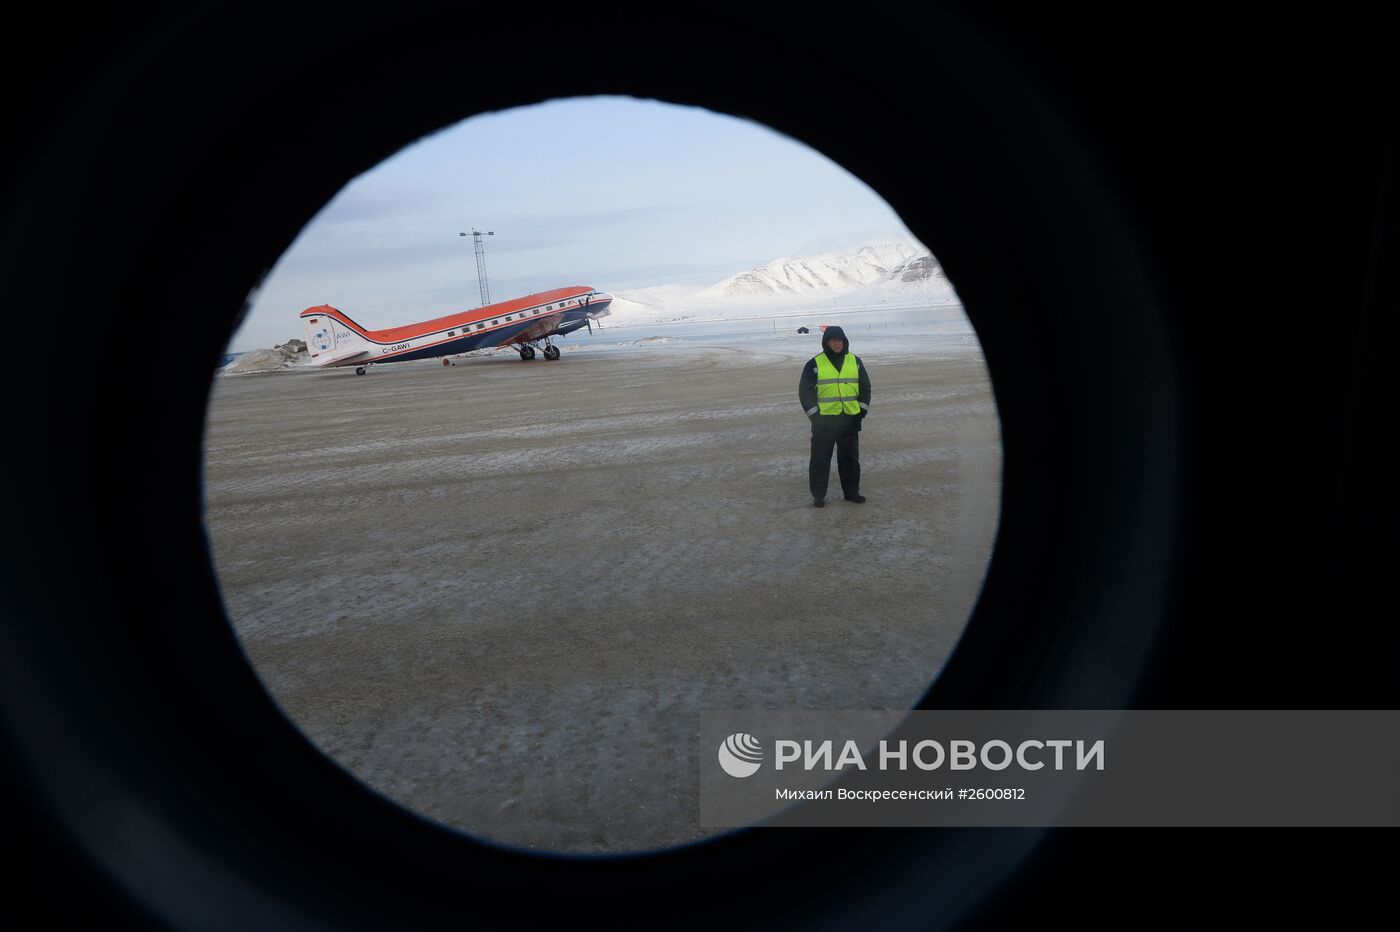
[(832, 333)]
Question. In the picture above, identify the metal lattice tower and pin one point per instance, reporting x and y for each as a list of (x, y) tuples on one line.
[(481, 263)]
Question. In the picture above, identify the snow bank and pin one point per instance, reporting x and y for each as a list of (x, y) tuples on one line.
[(289, 355)]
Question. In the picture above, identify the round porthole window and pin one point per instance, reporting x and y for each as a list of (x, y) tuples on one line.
[(500, 591)]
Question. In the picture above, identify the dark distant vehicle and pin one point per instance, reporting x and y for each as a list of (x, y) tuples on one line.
[(333, 339), (803, 330)]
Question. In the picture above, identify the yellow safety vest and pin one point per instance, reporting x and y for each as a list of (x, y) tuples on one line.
[(837, 391)]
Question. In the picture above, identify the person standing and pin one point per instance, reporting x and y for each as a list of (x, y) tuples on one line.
[(834, 391)]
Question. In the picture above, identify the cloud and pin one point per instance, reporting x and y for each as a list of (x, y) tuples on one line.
[(541, 231), (351, 237), (360, 204), (853, 239), (504, 287)]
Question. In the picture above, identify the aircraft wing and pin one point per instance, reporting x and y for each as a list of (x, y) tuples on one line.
[(542, 327)]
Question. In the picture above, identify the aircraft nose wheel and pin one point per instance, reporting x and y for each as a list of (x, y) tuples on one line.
[(551, 352)]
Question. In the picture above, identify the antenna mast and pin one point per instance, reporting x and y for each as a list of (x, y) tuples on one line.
[(481, 263)]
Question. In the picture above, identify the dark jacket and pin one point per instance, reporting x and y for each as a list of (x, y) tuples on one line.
[(807, 388)]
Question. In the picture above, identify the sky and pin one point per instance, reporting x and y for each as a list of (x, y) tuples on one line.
[(612, 192)]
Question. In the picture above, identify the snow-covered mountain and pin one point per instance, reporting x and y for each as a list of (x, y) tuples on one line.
[(656, 304), (918, 269), (892, 271), (823, 275)]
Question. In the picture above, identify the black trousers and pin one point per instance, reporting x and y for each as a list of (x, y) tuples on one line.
[(846, 440)]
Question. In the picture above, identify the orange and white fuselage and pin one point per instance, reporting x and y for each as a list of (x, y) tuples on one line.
[(333, 339)]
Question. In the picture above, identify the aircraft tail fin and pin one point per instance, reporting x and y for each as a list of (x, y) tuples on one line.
[(328, 338)]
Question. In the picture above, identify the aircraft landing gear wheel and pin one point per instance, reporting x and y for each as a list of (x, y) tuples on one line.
[(359, 370), (527, 352), (551, 352)]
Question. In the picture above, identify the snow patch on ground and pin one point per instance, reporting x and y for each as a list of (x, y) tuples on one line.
[(289, 355)]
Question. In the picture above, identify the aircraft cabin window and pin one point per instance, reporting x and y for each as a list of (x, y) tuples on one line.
[(480, 326), (452, 333)]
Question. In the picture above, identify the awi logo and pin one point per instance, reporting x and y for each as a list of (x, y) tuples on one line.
[(741, 755)]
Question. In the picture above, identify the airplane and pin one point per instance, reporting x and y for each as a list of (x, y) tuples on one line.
[(334, 340)]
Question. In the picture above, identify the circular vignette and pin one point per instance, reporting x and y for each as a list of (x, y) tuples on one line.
[(132, 717)]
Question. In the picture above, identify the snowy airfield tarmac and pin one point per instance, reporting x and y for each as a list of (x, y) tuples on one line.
[(500, 592)]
